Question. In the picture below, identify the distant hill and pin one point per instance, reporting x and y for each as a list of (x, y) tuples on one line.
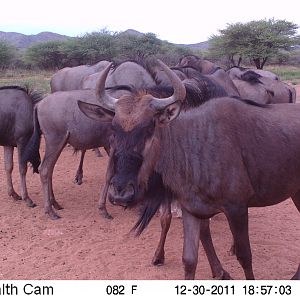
[(132, 32), (22, 41), (201, 45)]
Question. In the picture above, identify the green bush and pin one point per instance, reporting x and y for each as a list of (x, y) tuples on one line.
[(7, 54)]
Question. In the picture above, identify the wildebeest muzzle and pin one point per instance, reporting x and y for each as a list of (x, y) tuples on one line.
[(123, 185), (121, 193)]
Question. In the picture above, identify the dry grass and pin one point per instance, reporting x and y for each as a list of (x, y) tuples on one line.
[(38, 80), (286, 73)]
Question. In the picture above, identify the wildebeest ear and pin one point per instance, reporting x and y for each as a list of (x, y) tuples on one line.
[(96, 112), (169, 113)]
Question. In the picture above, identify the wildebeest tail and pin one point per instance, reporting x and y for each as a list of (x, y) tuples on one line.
[(34, 95), (155, 196), (31, 152)]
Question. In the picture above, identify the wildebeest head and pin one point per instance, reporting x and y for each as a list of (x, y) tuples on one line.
[(136, 119)]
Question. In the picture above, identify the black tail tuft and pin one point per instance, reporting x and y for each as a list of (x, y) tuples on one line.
[(156, 195), (31, 152)]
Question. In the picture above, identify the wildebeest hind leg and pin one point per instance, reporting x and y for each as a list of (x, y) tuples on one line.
[(23, 171), (165, 222), (205, 236), (191, 227), (238, 221), (8, 163), (53, 201), (52, 152)]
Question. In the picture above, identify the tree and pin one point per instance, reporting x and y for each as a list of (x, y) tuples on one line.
[(256, 40), (46, 55), (87, 49), (97, 46), (7, 54), (170, 53), (104, 45), (137, 47)]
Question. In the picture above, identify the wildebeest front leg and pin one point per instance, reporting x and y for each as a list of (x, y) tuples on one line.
[(165, 222), (205, 236), (191, 228), (238, 222), (102, 201), (79, 173), (9, 165)]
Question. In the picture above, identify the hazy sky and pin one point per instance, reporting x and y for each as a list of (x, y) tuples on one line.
[(184, 21)]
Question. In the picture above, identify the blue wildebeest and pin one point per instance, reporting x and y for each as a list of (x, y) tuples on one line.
[(256, 87), (69, 79), (211, 70), (202, 65), (61, 122), (199, 88), (127, 73), (236, 73), (16, 126), (224, 156)]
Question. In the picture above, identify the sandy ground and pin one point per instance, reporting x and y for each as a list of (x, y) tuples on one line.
[(83, 245), (297, 87)]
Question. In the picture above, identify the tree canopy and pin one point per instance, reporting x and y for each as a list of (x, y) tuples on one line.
[(7, 54), (255, 40), (96, 46)]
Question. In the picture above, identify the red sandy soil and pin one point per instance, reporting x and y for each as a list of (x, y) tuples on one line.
[(83, 245), (297, 87)]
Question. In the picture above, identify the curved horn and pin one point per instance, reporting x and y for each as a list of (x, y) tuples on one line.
[(179, 89), (105, 100)]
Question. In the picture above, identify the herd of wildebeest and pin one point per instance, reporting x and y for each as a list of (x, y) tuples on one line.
[(215, 141)]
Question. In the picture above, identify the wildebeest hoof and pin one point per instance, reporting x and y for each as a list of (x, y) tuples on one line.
[(57, 206), (158, 261), (223, 276), (54, 217), (30, 204), (77, 181), (105, 214), (15, 196)]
